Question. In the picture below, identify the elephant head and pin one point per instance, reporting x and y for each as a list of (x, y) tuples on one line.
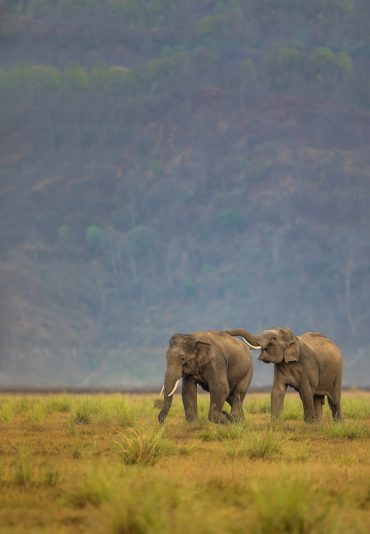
[(185, 356), (277, 345)]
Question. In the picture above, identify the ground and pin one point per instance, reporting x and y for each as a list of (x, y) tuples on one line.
[(102, 463)]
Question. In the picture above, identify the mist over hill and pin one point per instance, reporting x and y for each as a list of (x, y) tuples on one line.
[(177, 166)]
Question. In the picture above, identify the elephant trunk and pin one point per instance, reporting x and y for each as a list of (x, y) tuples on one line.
[(172, 377), (252, 341)]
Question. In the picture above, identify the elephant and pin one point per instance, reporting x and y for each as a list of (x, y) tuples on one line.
[(217, 362), (310, 363)]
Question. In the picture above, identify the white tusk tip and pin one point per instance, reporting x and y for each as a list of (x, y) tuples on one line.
[(250, 344), (174, 389)]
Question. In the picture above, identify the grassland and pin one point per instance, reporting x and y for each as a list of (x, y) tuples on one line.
[(101, 464)]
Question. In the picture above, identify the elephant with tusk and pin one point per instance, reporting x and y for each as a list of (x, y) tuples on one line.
[(217, 362), (310, 363)]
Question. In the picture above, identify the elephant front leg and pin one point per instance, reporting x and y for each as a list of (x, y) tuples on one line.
[(189, 398), (218, 396), (308, 404), (277, 399)]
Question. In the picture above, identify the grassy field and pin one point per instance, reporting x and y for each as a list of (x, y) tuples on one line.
[(102, 463)]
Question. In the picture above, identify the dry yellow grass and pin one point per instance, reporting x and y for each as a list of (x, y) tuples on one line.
[(103, 464)]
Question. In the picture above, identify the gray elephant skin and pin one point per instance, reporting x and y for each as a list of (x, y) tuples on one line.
[(217, 362), (310, 363)]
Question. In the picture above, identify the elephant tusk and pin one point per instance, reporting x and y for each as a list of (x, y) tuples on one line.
[(250, 345), (162, 390), (174, 389)]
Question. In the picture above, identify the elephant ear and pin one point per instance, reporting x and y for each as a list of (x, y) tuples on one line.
[(292, 352), (203, 353)]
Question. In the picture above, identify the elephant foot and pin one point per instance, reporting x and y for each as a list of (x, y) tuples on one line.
[(276, 419), (235, 418), (191, 419), (310, 419), (223, 418)]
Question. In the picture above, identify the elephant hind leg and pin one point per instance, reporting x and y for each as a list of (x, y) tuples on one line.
[(236, 398), (335, 409), (334, 398), (318, 402), (218, 397)]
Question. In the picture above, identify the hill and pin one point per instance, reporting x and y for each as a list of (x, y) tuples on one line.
[(170, 166)]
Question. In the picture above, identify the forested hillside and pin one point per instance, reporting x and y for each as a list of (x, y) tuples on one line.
[(177, 165)]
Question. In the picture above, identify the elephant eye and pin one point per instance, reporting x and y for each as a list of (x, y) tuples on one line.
[(273, 338)]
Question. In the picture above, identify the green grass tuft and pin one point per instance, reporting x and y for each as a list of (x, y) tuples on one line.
[(161, 507), (22, 404), (212, 432), (258, 445), (285, 506), (125, 416), (142, 446), (94, 490), (58, 404), (80, 448), (6, 412), (83, 412), (355, 408), (347, 430), (37, 414), (258, 405), (50, 476), (23, 470), (292, 409)]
